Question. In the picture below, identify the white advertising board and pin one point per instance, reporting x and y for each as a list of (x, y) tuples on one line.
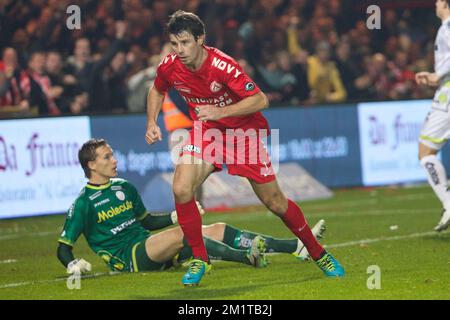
[(39, 168), (389, 133)]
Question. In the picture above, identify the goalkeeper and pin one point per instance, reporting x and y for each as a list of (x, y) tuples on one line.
[(111, 215)]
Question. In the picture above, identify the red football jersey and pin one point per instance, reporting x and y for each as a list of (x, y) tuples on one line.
[(220, 81)]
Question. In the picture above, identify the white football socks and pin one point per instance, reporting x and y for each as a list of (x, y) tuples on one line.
[(437, 178)]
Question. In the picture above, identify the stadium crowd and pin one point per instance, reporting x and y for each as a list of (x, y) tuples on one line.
[(302, 52)]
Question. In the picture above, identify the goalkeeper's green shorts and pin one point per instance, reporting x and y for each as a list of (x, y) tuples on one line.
[(141, 261)]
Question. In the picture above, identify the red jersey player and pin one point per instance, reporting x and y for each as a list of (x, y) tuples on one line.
[(220, 97)]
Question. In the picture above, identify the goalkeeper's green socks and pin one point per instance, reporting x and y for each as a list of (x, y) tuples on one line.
[(242, 239), (217, 251)]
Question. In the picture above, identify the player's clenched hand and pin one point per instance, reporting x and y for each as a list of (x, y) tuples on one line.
[(433, 80), (153, 134), (200, 208), (427, 79), (422, 78), (209, 112), (78, 266)]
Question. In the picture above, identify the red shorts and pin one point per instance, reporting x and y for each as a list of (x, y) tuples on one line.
[(244, 153)]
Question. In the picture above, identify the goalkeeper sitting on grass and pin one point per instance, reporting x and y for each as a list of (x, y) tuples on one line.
[(111, 215)]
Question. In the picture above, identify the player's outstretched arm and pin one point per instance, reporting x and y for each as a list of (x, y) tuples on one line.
[(156, 221), (155, 100), (65, 256)]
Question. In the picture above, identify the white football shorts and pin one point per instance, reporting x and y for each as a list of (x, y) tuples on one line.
[(436, 127)]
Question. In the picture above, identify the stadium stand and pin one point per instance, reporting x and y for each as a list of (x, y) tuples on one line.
[(107, 64)]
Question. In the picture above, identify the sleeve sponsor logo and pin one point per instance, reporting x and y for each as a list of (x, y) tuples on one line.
[(71, 209), (249, 86)]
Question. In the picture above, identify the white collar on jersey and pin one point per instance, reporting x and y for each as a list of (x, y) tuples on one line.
[(446, 20)]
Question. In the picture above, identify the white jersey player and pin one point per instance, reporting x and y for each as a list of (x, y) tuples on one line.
[(436, 129)]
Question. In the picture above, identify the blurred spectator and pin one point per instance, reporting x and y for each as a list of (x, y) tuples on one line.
[(79, 66), (13, 84), (115, 79), (39, 86), (93, 92), (103, 75), (139, 85), (300, 72), (347, 68), (403, 78), (323, 77), (64, 85), (275, 73), (374, 84)]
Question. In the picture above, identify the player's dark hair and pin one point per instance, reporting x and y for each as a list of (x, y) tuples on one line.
[(185, 21), (87, 153)]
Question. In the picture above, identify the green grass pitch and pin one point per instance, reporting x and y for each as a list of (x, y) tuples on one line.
[(414, 261)]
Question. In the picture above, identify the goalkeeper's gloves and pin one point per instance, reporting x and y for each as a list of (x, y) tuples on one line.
[(174, 217), (79, 266)]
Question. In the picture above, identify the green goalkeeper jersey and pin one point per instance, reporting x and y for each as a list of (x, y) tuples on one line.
[(108, 216)]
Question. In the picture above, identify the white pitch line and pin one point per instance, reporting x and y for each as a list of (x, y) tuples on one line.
[(8, 261), (20, 235), (394, 238), (88, 276), (375, 212), (365, 202), (12, 285)]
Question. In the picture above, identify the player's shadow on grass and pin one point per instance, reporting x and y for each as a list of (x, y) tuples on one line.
[(207, 290)]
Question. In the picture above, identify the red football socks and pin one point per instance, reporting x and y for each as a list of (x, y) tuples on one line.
[(296, 222), (190, 222)]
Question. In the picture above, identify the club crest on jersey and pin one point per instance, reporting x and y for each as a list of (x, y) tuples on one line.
[(120, 195), (215, 87)]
